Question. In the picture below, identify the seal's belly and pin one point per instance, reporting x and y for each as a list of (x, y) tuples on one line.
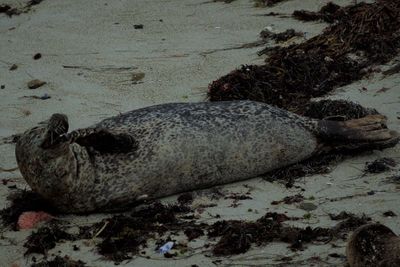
[(185, 147)]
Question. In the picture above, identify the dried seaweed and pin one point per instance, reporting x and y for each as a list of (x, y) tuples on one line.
[(45, 238), (280, 37), (380, 165), (328, 13), (338, 110), (59, 262), (11, 11), (314, 165), (124, 235), (289, 200), (238, 236), (267, 3), (22, 201), (365, 35)]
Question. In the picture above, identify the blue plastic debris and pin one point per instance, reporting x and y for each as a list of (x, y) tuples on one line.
[(166, 247)]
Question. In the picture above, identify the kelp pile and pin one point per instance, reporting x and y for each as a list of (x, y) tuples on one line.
[(362, 36)]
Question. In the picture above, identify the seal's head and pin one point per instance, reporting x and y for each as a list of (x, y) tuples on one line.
[(44, 157)]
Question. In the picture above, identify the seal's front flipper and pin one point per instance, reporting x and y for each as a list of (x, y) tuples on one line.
[(103, 140), (369, 132), (57, 126)]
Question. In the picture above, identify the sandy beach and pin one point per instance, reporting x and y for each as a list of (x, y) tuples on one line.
[(90, 50)]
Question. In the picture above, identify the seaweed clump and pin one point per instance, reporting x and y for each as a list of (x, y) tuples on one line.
[(46, 238), (11, 11), (380, 165), (328, 13), (337, 110), (59, 262), (315, 165), (123, 235), (365, 34), (280, 37), (267, 3), (22, 201), (238, 236)]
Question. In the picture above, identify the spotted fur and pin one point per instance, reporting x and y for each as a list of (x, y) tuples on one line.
[(177, 147)]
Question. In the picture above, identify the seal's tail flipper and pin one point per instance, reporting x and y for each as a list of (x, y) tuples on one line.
[(369, 132)]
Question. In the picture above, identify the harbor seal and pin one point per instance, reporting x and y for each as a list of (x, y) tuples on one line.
[(373, 245), (171, 148)]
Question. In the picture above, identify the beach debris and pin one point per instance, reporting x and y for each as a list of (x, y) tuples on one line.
[(289, 199), (193, 233), (266, 3), (238, 236), (13, 67), (350, 224), (373, 245), (395, 179), (185, 199), (6, 181), (336, 255), (337, 110), (280, 37), (137, 76), (122, 236), (380, 165), (37, 56), (307, 206), (382, 90), (293, 75), (225, 1), (393, 70), (36, 83), (166, 247), (314, 165), (10, 11), (2, 86), (23, 201), (4, 8), (138, 26), (238, 196), (29, 219), (12, 139), (106, 68), (45, 238), (59, 261), (42, 97), (34, 2), (389, 213), (328, 13), (341, 216)]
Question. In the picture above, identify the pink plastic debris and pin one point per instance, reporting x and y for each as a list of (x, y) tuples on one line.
[(29, 219)]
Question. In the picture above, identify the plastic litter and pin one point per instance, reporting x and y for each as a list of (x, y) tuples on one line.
[(166, 247), (29, 219)]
